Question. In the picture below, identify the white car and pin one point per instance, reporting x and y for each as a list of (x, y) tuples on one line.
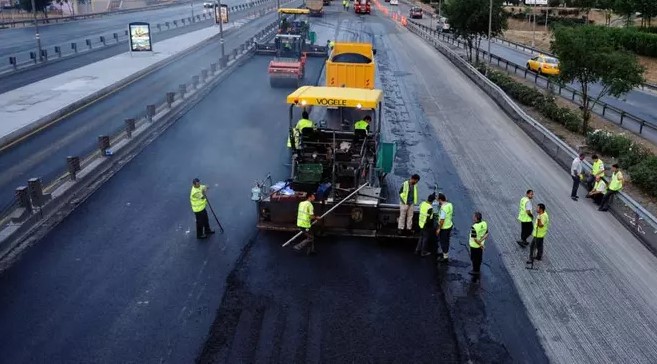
[(210, 4), (394, 2)]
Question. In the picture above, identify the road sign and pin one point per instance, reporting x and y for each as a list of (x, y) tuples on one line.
[(140, 37)]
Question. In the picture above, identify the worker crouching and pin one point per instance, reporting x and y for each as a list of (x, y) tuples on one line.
[(305, 217)]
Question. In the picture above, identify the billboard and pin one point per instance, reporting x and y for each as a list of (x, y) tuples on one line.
[(140, 37), (223, 9), (536, 2)]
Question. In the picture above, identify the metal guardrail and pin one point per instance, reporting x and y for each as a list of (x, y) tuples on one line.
[(35, 203), (28, 59), (628, 211), (611, 113), (28, 22)]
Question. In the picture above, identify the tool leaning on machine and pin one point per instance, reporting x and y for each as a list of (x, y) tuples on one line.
[(293, 43)]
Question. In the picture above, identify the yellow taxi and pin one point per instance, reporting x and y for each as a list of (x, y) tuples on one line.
[(544, 65)]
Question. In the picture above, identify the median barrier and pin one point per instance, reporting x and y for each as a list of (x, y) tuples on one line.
[(630, 213), (84, 175)]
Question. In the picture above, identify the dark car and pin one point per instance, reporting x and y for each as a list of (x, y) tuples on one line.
[(416, 12)]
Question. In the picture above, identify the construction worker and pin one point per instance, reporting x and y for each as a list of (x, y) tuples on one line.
[(576, 175), (445, 225), (525, 217), (198, 199), (615, 186), (425, 221), (305, 217), (407, 201), (331, 44), (598, 169), (303, 123), (478, 236), (540, 230), (598, 191), (363, 124)]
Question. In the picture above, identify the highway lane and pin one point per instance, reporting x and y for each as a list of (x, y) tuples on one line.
[(138, 286), (592, 298), (637, 102), (22, 39), (44, 154)]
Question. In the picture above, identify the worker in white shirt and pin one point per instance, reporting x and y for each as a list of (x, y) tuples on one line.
[(576, 175), (598, 191)]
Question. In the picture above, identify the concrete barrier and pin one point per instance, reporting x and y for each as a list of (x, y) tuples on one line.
[(629, 212)]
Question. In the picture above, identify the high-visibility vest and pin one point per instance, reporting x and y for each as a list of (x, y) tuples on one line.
[(448, 208), (477, 232), (599, 184), (403, 195), (361, 125), (196, 199), (598, 168), (540, 232), (425, 207), (304, 215), (301, 124), (522, 212), (616, 184)]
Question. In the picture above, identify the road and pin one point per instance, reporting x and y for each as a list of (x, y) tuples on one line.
[(637, 102), (22, 39), (44, 154), (140, 288)]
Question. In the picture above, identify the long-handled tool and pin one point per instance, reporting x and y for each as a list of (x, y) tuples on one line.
[(328, 212), (221, 228)]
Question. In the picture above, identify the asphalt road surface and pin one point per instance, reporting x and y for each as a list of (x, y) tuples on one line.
[(44, 154), (639, 103), (22, 39)]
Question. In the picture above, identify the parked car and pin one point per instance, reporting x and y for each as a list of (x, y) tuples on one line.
[(394, 2), (416, 13), (544, 65)]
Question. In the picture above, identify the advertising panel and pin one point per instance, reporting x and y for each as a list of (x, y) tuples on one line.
[(140, 37), (223, 10)]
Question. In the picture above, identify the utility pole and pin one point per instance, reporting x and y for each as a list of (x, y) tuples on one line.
[(221, 28), (36, 29), (534, 24), (191, 2), (490, 28), (278, 6)]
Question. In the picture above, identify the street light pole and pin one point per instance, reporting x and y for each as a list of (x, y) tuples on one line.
[(490, 28), (36, 29), (221, 28), (534, 25), (191, 3)]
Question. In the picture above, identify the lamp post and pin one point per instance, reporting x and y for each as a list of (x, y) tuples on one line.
[(534, 24), (191, 3), (36, 29), (221, 28), (490, 28)]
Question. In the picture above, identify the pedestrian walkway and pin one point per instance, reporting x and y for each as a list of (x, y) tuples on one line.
[(30, 107)]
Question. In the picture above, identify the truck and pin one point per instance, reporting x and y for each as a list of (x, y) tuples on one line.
[(316, 7), (351, 65), (362, 6)]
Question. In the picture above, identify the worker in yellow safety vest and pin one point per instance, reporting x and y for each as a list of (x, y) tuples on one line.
[(525, 217), (303, 123), (331, 44), (363, 124), (478, 236), (345, 4), (598, 169), (598, 191), (540, 230), (445, 224), (305, 217), (407, 201), (425, 221), (615, 186), (199, 201)]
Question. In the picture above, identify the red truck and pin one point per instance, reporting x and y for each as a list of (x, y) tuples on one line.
[(362, 6)]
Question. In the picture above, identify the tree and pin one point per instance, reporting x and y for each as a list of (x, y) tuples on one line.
[(588, 55), (469, 19), (585, 6), (41, 5), (627, 8), (608, 7), (648, 10)]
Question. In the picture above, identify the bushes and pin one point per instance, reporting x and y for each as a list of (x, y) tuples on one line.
[(613, 145), (633, 40), (644, 175), (530, 96)]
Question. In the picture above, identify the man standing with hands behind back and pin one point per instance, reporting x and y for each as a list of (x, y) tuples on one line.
[(198, 200), (407, 202), (525, 217), (576, 175)]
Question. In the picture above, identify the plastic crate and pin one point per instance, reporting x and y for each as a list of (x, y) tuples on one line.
[(309, 173)]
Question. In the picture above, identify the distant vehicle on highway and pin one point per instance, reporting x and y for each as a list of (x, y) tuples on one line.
[(443, 26), (210, 4), (416, 12), (394, 2), (544, 65)]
